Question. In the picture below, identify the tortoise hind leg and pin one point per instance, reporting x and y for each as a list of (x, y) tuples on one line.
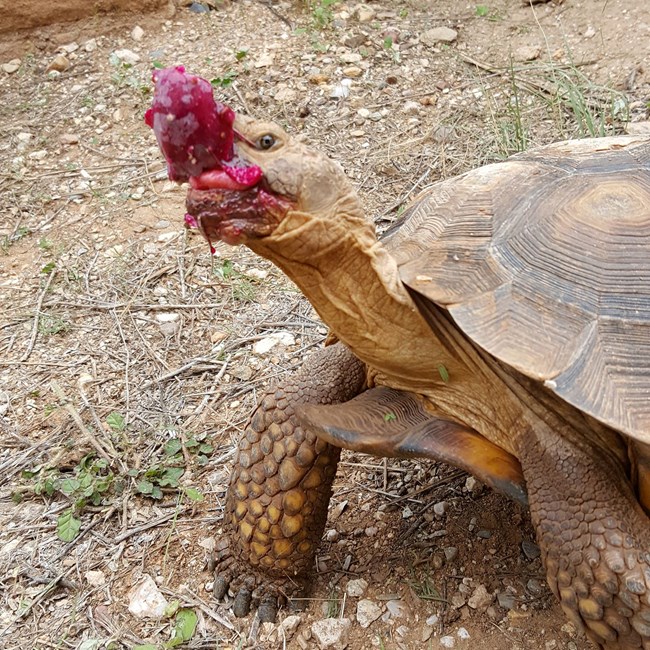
[(276, 506), (594, 536)]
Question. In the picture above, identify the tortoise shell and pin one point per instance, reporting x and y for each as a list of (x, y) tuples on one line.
[(544, 262)]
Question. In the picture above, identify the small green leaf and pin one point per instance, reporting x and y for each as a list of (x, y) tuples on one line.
[(171, 476), (69, 485), (158, 65), (48, 268), (389, 417), (206, 448), (67, 526), (145, 487), (193, 494), (172, 447), (241, 54), (482, 10), (156, 493), (145, 646), (444, 373), (186, 620), (191, 442), (388, 42), (115, 421)]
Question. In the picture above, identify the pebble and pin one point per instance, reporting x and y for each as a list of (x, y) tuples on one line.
[(127, 56), (638, 128), (352, 71), (440, 508), (146, 600), (447, 641), (286, 95), (371, 531), (350, 57), (69, 138), (458, 600), (332, 535), (407, 512), (451, 553), (331, 633), (484, 534), (462, 633), (356, 588), (481, 599), (269, 342), (95, 578), (365, 14), (534, 587), (90, 45), (265, 60), (471, 484), (507, 601), (396, 609), (60, 63), (11, 66), (137, 33), (367, 612), (527, 53), (438, 35), (530, 549), (432, 620)]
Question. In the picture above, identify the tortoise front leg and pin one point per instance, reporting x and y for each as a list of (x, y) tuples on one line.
[(594, 537), (281, 483)]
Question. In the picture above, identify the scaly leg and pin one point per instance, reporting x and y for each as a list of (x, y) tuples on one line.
[(594, 536), (276, 506)]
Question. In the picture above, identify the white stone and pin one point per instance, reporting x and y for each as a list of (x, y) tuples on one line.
[(438, 35), (146, 601), (367, 612), (11, 66), (265, 60), (95, 578), (137, 33), (350, 57), (331, 633), (356, 588), (481, 599), (462, 633), (447, 641), (365, 14), (127, 56)]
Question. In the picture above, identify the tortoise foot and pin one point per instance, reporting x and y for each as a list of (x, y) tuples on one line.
[(248, 589), (281, 483)]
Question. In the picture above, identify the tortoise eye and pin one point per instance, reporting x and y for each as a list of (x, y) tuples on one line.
[(266, 141)]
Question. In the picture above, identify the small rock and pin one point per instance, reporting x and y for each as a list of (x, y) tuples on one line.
[(356, 588), (137, 33), (534, 587), (638, 128), (451, 553), (162, 224), (397, 609), (471, 484), (331, 633), (288, 627), (332, 535), (530, 549), (427, 633), (90, 45), (60, 63), (438, 35), (146, 601), (484, 534), (69, 138), (462, 634), (505, 600), (458, 600), (340, 91), (407, 513), (350, 57), (365, 14), (352, 71), (265, 60), (127, 56), (447, 641), (570, 629), (11, 66), (318, 79), (268, 342), (218, 336), (256, 274), (432, 620), (371, 531), (440, 508), (590, 32), (481, 599), (167, 317), (413, 108), (367, 612), (95, 578), (286, 95), (550, 645), (437, 560), (527, 53), (198, 8)]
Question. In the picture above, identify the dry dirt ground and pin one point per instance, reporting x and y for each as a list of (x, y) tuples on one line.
[(130, 358)]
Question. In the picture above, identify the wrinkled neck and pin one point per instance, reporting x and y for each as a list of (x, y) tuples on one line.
[(353, 283)]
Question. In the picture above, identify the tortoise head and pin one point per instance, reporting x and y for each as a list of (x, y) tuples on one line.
[(295, 180)]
